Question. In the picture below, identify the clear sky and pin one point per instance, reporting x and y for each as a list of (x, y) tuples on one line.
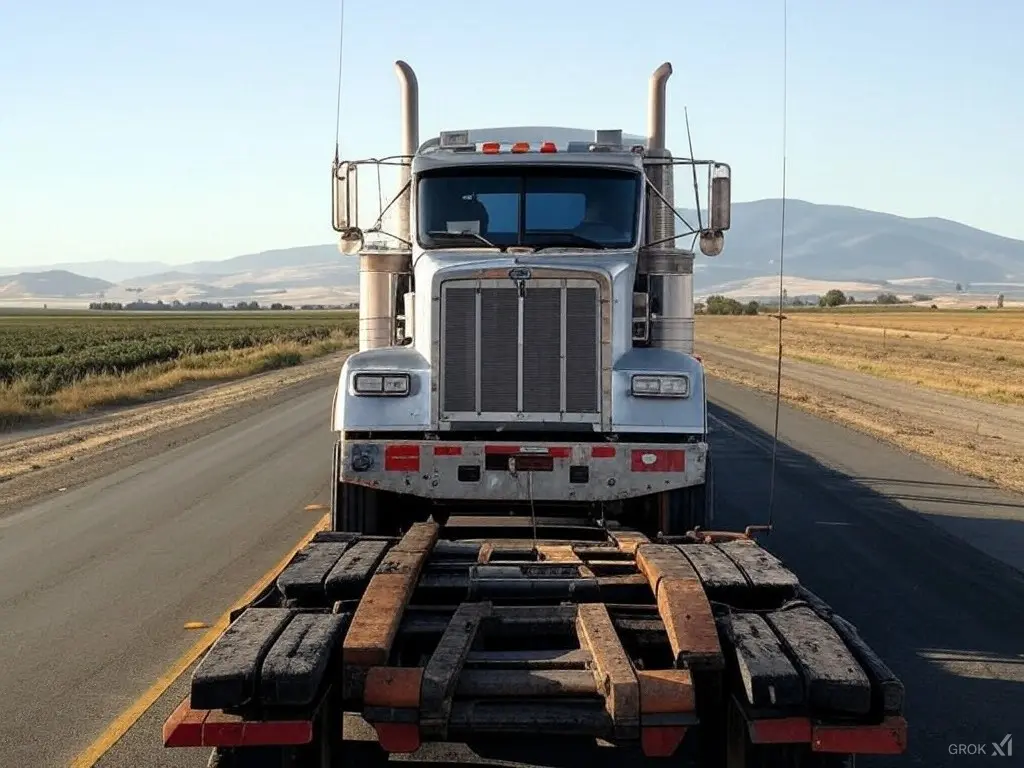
[(205, 128)]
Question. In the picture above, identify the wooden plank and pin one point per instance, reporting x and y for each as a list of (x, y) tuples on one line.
[(768, 676), (557, 553), (661, 561), (715, 569), (458, 550), (420, 538), (682, 605), (304, 576), (543, 659), (835, 682), (525, 683), (537, 616), (666, 691), (486, 550), (294, 668), (760, 567), (442, 671), (226, 677), (628, 541), (887, 689), (350, 575), (613, 671), (689, 624), (379, 613), (393, 688), (557, 717)]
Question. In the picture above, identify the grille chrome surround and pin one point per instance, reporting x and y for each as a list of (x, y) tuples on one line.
[(534, 357)]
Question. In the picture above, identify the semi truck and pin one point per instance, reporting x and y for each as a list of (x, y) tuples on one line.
[(529, 340), (520, 537)]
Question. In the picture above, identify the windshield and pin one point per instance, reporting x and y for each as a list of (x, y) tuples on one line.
[(531, 206)]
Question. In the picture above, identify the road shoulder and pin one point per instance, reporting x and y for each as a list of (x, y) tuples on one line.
[(51, 461), (978, 439)]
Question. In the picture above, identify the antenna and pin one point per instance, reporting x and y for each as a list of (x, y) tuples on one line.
[(693, 168), (782, 256), (337, 108)]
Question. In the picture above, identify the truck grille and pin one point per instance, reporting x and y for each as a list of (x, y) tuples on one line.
[(538, 354)]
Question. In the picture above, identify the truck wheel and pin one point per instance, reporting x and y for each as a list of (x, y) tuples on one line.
[(680, 510), (354, 509)]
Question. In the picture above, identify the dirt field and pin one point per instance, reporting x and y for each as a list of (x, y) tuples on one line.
[(947, 384), (62, 363)]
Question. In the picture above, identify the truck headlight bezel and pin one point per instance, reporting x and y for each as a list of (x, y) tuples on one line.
[(674, 385), (381, 384)]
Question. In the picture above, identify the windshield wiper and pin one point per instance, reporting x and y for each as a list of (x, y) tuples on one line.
[(570, 239), (444, 233)]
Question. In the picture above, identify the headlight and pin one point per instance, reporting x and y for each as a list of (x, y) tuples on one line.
[(381, 384), (660, 386)]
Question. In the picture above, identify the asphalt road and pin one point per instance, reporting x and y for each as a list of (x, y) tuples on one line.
[(97, 582)]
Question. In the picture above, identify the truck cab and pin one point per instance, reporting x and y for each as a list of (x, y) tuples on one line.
[(527, 346)]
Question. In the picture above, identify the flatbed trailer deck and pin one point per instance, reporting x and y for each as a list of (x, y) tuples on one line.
[(705, 649)]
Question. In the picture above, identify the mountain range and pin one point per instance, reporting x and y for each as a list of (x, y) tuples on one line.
[(826, 246)]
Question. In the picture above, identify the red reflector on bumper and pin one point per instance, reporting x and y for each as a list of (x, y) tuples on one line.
[(447, 450), (402, 458), (657, 460), (602, 452)]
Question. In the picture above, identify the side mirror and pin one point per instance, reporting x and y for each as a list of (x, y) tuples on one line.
[(345, 197), (712, 239), (719, 197)]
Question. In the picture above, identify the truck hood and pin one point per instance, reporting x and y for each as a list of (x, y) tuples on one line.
[(434, 266)]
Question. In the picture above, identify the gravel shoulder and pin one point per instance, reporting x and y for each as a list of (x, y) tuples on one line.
[(979, 439)]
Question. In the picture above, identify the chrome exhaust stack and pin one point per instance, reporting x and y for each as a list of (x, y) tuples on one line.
[(385, 273), (669, 269)]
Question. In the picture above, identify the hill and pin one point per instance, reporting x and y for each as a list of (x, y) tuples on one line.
[(838, 243), (55, 283), (827, 246)]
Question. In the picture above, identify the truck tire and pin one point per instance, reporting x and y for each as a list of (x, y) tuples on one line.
[(680, 510)]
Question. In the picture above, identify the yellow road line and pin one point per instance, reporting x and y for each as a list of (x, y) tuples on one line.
[(113, 732)]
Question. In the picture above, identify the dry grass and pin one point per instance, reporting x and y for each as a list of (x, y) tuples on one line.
[(946, 385), (979, 354)]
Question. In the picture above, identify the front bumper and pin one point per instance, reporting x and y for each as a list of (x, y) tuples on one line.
[(478, 471)]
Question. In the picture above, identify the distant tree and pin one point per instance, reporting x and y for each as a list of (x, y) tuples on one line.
[(720, 305), (959, 288), (751, 308), (833, 298), (922, 297), (999, 301), (887, 298)]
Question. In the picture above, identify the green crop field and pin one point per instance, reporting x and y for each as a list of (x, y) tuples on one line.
[(44, 355)]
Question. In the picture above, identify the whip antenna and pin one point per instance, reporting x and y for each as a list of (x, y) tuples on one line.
[(782, 255), (337, 108)]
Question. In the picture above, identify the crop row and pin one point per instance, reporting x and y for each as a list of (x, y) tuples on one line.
[(49, 353)]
